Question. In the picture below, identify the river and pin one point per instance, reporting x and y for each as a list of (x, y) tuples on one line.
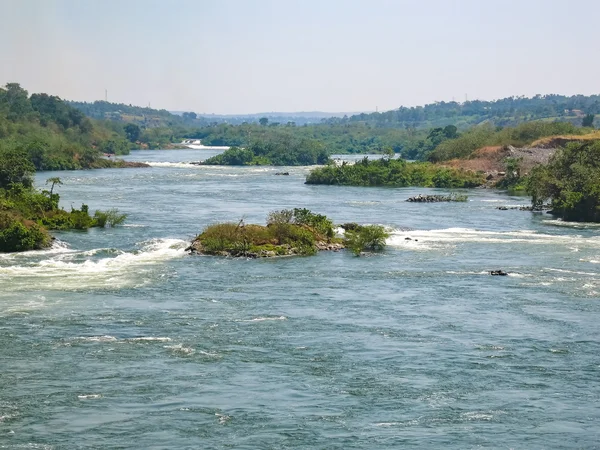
[(116, 338)]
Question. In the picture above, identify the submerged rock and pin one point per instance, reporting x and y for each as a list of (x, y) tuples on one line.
[(437, 198), (498, 272)]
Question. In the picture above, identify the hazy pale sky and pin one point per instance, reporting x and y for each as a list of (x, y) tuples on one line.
[(242, 56)]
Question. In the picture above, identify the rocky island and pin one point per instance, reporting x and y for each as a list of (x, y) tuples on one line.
[(288, 232)]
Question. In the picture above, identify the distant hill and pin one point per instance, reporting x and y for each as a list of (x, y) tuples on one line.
[(120, 112), (508, 111), (503, 112)]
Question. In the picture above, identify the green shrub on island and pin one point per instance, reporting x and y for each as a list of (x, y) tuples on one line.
[(288, 232), (571, 181), (277, 151), (394, 173), (360, 238), (109, 218)]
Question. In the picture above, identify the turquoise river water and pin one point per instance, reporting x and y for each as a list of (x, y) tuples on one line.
[(116, 338)]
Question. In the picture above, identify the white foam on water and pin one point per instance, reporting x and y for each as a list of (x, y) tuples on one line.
[(428, 239), (593, 261), (89, 396), (223, 418), (179, 165), (179, 348), (564, 223), (124, 269), (210, 354), (262, 319), (149, 339), (571, 271), (105, 338), (58, 247), (475, 415)]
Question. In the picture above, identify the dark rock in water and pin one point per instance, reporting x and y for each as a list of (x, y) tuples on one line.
[(498, 272), (524, 208), (282, 173), (437, 198), (350, 226), (129, 164), (407, 239)]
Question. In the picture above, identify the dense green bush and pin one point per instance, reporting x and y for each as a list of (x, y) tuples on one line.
[(394, 173), (275, 151), (287, 232), (17, 236), (109, 218), (571, 181), (304, 217), (365, 237)]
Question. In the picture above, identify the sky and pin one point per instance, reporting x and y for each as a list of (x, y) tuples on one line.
[(250, 56)]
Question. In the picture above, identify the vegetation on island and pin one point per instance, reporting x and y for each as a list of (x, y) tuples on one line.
[(361, 238), (27, 215), (288, 232), (571, 181), (394, 173), (284, 151)]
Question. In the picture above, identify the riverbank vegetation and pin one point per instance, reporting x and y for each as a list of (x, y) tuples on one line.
[(571, 181), (394, 173), (411, 132), (54, 135), (486, 135), (27, 215)]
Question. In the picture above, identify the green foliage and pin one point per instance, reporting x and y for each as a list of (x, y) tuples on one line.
[(571, 181), (365, 237), (588, 120), (513, 179), (318, 223), (109, 218), (17, 235), (287, 232), (54, 135), (15, 167), (486, 135), (280, 151), (132, 131), (393, 173), (114, 147)]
